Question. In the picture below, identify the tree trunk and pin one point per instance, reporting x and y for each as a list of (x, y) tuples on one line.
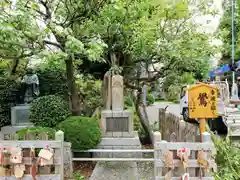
[(72, 90), (142, 115)]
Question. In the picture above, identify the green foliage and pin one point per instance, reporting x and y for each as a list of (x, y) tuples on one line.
[(48, 111), (133, 32), (22, 37), (83, 132), (173, 92), (150, 99), (52, 81), (8, 89), (37, 131), (128, 101), (78, 176), (136, 120), (227, 159), (4, 66), (173, 82), (225, 31), (90, 94)]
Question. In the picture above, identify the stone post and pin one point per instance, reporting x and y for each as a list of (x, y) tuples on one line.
[(157, 155), (59, 135), (206, 138), (107, 92)]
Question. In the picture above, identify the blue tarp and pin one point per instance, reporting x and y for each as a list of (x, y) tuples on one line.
[(220, 70), (223, 69)]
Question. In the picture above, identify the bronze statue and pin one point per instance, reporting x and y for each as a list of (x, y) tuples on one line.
[(30, 86)]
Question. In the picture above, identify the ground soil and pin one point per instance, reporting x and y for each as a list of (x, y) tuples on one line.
[(84, 168)]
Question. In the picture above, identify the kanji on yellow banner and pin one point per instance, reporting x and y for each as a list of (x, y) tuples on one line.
[(202, 101)]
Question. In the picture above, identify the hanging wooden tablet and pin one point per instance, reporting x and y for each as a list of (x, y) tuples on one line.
[(18, 170), (168, 175), (185, 160), (4, 156), (183, 154), (185, 176), (46, 157), (16, 155), (202, 159), (33, 169), (168, 159), (2, 171), (1, 156)]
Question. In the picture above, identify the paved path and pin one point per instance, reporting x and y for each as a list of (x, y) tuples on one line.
[(152, 110)]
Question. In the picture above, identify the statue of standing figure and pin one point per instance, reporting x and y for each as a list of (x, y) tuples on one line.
[(30, 86)]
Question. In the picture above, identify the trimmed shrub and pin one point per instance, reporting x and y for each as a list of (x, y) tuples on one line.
[(48, 111), (83, 132), (37, 131)]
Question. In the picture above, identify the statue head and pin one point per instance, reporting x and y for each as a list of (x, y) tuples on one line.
[(29, 71)]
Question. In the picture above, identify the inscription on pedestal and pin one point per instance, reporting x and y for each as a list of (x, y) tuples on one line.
[(117, 124), (20, 115)]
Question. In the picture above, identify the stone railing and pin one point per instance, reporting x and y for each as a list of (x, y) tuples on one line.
[(174, 129), (63, 160), (169, 165)]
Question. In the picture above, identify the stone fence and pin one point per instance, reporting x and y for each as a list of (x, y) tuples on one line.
[(174, 129)]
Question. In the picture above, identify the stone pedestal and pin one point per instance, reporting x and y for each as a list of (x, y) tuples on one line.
[(117, 123), (120, 143), (20, 115), (117, 132), (19, 120)]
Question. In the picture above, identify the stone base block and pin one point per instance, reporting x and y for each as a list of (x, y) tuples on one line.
[(20, 115), (117, 123), (119, 143)]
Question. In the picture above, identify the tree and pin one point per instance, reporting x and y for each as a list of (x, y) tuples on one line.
[(225, 32), (37, 29), (155, 36)]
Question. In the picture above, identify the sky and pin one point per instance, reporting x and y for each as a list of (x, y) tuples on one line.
[(210, 24)]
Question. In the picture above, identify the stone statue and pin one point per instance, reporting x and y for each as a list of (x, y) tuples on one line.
[(30, 86), (117, 93)]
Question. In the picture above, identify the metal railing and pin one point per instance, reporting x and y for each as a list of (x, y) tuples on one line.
[(117, 151)]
